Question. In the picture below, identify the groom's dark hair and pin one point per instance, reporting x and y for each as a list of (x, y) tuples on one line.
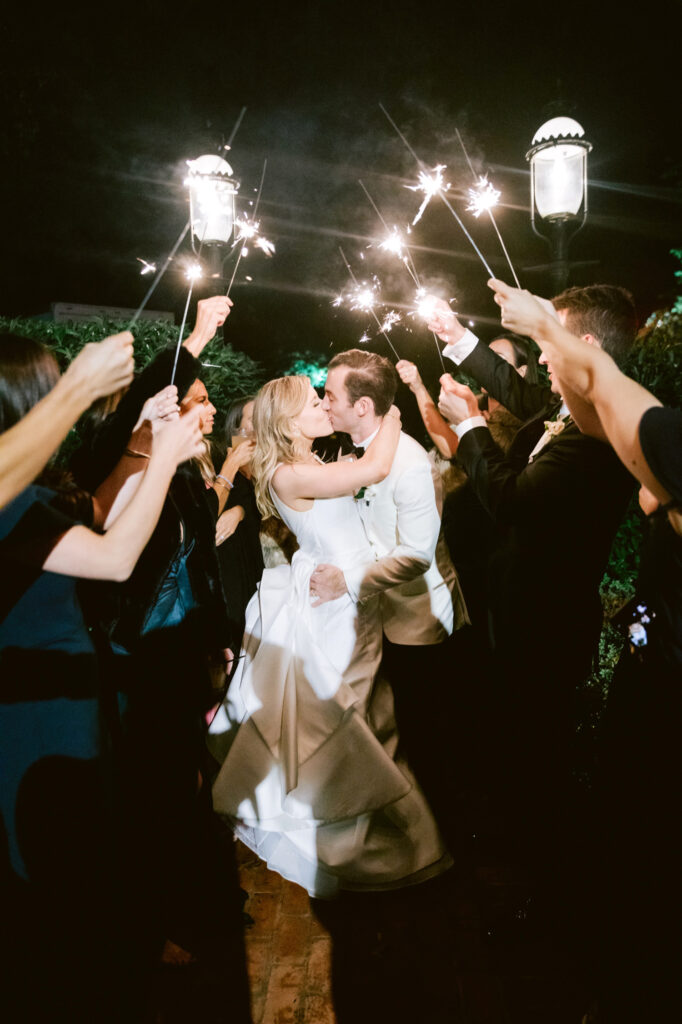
[(369, 376)]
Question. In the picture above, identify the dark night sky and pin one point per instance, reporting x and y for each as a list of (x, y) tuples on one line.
[(99, 118)]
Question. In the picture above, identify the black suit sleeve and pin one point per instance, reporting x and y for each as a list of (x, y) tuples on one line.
[(501, 380), (97, 457), (560, 483)]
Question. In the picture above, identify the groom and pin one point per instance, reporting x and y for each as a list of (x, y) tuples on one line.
[(419, 596)]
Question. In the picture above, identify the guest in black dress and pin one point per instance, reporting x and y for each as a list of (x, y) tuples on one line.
[(237, 533), (63, 912), (640, 761)]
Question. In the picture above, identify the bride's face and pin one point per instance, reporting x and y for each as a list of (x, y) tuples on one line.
[(313, 421)]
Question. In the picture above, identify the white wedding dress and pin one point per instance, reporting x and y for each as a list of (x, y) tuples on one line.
[(306, 734)]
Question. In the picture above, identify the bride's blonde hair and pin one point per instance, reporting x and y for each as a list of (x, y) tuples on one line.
[(278, 439)]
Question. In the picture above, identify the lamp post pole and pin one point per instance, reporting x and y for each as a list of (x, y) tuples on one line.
[(558, 243)]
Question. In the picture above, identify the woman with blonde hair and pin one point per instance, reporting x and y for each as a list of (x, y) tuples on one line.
[(305, 779)]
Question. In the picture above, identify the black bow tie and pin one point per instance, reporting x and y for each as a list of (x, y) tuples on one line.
[(357, 450)]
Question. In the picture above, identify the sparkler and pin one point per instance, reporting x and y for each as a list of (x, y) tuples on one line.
[(194, 272), (158, 277), (228, 145), (365, 298), (431, 185), (394, 243), (424, 305), (482, 199), (253, 224), (422, 185), (182, 328), (249, 230), (147, 268)]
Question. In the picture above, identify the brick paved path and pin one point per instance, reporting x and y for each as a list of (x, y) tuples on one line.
[(420, 955), (288, 951)]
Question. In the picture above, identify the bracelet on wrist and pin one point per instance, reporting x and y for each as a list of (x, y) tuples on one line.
[(228, 483)]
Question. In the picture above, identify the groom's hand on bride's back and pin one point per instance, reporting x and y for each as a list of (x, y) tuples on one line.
[(327, 583)]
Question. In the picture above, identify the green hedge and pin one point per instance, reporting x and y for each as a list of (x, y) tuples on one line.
[(231, 375)]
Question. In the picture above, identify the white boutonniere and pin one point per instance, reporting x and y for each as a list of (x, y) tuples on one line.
[(554, 427), (365, 494)]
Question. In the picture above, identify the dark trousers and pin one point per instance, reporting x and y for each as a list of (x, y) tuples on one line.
[(435, 699)]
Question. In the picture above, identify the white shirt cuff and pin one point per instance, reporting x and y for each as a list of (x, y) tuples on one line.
[(459, 350), (474, 421)]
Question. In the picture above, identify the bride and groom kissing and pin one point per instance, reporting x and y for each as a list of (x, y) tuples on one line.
[(313, 778)]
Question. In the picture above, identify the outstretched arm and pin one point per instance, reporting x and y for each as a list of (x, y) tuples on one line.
[(491, 371), (88, 555), (98, 370), (305, 480), (589, 375), (438, 429)]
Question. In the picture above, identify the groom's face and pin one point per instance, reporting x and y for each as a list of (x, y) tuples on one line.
[(336, 401)]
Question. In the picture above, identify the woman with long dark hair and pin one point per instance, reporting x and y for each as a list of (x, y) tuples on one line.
[(55, 797), (238, 529)]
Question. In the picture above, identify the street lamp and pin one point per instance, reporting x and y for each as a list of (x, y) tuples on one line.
[(212, 191), (558, 188)]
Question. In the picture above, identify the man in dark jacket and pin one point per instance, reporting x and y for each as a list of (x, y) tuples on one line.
[(559, 497)]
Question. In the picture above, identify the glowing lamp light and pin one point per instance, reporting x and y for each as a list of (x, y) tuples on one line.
[(212, 191), (558, 170)]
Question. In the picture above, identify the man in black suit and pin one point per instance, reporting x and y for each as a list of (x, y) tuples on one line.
[(558, 497)]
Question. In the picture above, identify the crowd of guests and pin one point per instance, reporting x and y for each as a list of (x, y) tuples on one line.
[(333, 707)]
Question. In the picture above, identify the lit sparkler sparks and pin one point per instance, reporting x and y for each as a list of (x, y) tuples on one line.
[(482, 197), (152, 287), (267, 247), (249, 231), (363, 297), (391, 318), (394, 244), (194, 272), (477, 207), (431, 185), (424, 305), (147, 268)]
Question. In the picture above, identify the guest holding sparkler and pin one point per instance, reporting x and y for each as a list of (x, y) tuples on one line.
[(171, 639), (559, 509), (59, 880), (640, 761), (99, 369)]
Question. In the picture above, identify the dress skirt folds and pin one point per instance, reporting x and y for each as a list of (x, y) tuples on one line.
[(307, 736)]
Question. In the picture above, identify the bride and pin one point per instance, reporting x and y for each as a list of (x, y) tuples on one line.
[(306, 734)]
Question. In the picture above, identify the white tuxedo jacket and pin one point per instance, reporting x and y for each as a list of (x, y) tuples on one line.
[(420, 598)]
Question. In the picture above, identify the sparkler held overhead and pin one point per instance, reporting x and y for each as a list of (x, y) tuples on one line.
[(483, 197), (252, 226), (433, 184), (164, 268), (365, 297), (393, 243)]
